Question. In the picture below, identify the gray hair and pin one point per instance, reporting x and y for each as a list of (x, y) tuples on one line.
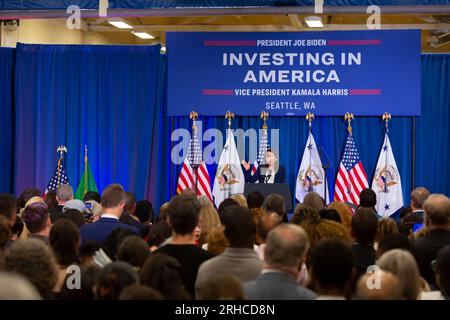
[(64, 192), (286, 245), (437, 209), (16, 287), (402, 264)]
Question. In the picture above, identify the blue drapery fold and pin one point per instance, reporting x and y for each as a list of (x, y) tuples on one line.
[(7, 57), (101, 96), (113, 98)]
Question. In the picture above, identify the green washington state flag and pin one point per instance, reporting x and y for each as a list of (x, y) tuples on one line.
[(87, 182)]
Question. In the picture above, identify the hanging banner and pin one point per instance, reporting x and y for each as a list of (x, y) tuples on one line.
[(293, 73)]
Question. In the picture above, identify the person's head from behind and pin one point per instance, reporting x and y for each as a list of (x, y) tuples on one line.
[(330, 214), (163, 273), (388, 288), (314, 200), (437, 211), (266, 223), (37, 219), (443, 271), (386, 226), (255, 199), (332, 266), (51, 201), (113, 199), (87, 251), (140, 292), (395, 241), (130, 203), (5, 233), (418, 197), (35, 260), (228, 202), (114, 240), (209, 219), (239, 227), (158, 234), (275, 203), (367, 198), (65, 240), (364, 226), (16, 287), (90, 273), (144, 211), (75, 216), (8, 207), (222, 286), (240, 199), (115, 277), (64, 193), (286, 248), (402, 264), (92, 195), (183, 215), (345, 213), (133, 250), (26, 195)]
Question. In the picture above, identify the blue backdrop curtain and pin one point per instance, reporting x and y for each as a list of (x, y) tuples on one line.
[(104, 97), (7, 56), (113, 99)]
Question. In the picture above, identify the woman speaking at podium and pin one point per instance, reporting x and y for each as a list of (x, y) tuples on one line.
[(270, 172)]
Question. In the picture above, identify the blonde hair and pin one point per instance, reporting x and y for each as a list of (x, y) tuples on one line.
[(217, 242), (345, 213), (209, 220), (239, 198), (386, 226), (402, 264)]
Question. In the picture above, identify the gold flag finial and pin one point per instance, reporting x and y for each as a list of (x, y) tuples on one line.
[(61, 150), (264, 115), (386, 117), (310, 118), (349, 117), (229, 116), (193, 116)]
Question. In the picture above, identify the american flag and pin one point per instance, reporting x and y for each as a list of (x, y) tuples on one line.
[(351, 178), (59, 177), (186, 180), (263, 148)]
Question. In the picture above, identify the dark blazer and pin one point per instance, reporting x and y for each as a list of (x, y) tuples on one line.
[(428, 247), (276, 286), (129, 220), (101, 229), (280, 176)]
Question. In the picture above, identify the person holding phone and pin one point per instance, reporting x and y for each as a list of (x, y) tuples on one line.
[(270, 172)]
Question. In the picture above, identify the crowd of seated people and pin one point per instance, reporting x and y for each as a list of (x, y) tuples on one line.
[(113, 247)]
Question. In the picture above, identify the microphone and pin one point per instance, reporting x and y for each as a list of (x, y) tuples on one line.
[(265, 165), (268, 176)]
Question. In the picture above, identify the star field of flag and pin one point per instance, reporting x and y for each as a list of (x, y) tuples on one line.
[(59, 178), (351, 156)]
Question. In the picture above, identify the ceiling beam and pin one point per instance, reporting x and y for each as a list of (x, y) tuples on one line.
[(269, 28), (211, 11)]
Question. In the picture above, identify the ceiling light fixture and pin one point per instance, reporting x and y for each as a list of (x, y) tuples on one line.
[(143, 35), (314, 22), (119, 23)]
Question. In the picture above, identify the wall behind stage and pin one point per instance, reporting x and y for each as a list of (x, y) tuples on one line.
[(113, 99)]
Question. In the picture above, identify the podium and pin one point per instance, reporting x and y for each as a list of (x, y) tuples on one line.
[(268, 188)]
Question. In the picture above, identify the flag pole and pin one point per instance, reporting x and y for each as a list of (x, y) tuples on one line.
[(386, 117), (349, 117), (85, 169), (194, 116), (61, 149), (264, 115), (229, 116)]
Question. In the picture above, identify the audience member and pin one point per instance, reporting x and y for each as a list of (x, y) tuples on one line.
[(75, 216), (163, 273), (163, 216), (266, 223), (87, 251), (388, 287), (367, 198), (330, 214), (16, 287), (437, 222), (64, 193), (255, 200), (92, 195), (396, 241), (239, 259), (183, 218), (144, 212), (90, 273), (443, 271), (345, 213), (302, 213), (5, 233), (275, 203), (224, 204), (113, 202), (240, 198), (140, 292), (17, 229), (113, 279), (37, 220), (314, 200), (332, 263), (222, 286), (216, 242), (34, 259), (114, 240), (386, 226), (51, 201), (133, 250), (364, 231), (26, 195), (402, 264), (416, 216), (158, 234), (209, 219), (285, 252), (8, 207), (128, 216)]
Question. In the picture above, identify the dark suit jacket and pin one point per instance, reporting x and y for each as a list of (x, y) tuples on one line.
[(101, 229), (280, 176), (276, 286), (428, 247), (129, 220)]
